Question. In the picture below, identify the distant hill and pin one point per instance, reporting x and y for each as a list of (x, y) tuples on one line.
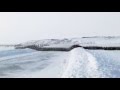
[(103, 42)]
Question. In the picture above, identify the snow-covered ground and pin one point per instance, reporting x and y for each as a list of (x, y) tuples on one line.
[(6, 48), (82, 64), (91, 41), (32, 64), (108, 62), (98, 41), (93, 64), (77, 63)]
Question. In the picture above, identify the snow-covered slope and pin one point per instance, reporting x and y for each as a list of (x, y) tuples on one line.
[(98, 41), (91, 41), (93, 64), (81, 64), (77, 63), (28, 63), (47, 42), (108, 62)]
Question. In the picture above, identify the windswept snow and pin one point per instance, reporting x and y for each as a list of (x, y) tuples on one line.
[(77, 63), (93, 64), (6, 48), (33, 64), (98, 41), (81, 64), (93, 41), (109, 62)]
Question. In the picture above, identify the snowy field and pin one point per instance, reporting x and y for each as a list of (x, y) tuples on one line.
[(77, 63), (108, 62), (6, 48), (93, 64), (91, 41), (30, 63)]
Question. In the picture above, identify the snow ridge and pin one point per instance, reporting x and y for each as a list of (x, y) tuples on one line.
[(93, 41), (81, 64)]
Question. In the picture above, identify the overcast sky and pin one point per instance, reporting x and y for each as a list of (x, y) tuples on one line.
[(16, 27)]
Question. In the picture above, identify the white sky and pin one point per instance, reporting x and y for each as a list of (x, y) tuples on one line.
[(16, 27)]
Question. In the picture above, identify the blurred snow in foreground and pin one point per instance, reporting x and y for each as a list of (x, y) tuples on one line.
[(81, 64), (78, 63), (6, 48)]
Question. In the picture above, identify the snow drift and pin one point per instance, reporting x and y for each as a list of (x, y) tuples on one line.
[(77, 63), (81, 64)]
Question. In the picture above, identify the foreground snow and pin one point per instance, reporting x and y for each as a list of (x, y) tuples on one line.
[(32, 64), (77, 63), (108, 62), (81, 65)]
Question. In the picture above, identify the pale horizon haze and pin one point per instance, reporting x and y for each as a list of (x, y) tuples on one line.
[(17, 27)]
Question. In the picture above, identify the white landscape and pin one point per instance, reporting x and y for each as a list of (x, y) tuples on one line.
[(77, 63), (59, 44)]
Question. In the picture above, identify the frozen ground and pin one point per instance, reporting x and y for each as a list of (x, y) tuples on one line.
[(91, 41), (30, 63), (93, 64), (78, 63), (108, 62), (6, 48)]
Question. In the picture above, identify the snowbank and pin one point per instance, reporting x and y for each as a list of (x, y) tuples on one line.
[(81, 64)]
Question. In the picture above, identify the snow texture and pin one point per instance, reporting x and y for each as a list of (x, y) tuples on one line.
[(77, 63)]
